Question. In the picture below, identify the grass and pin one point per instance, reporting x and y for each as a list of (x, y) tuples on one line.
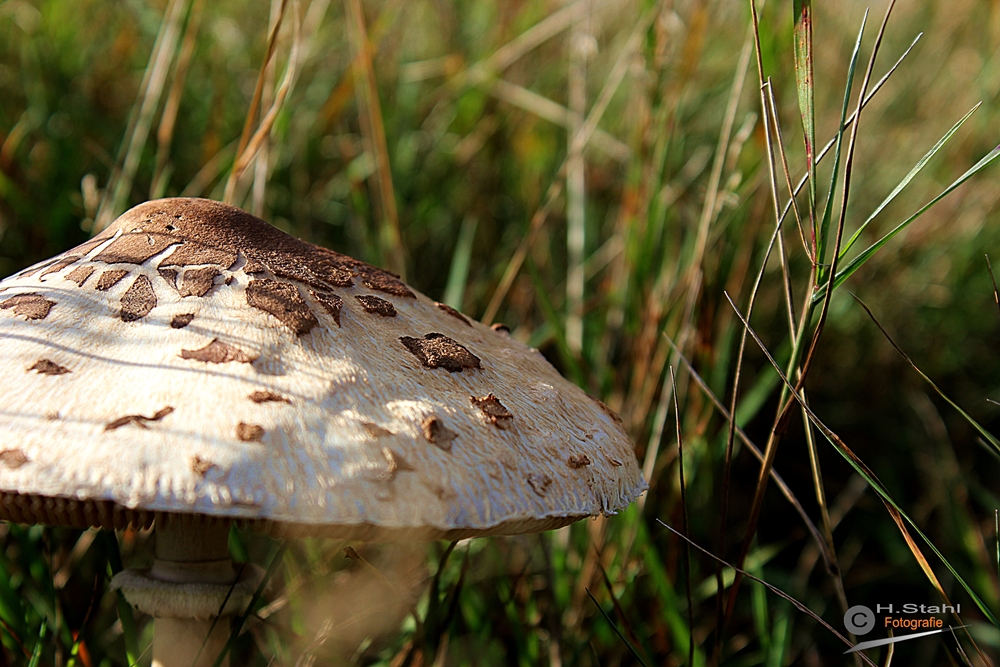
[(605, 177)]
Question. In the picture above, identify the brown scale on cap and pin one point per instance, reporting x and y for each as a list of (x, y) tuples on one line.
[(253, 266), (200, 466), (494, 410), (218, 352), (437, 433), (577, 461), (376, 306), (138, 420), (138, 300), (32, 270), (193, 253), (13, 458), (396, 464), (284, 302), (181, 321), (539, 483), (331, 302), (170, 275), (197, 282), (383, 281), (249, 432), (436, 350), (60, 265), (48, 367), (375, 431), (268, 397), (109, 279), (135, 247), (80, 274), (454, 313), (31, 306)]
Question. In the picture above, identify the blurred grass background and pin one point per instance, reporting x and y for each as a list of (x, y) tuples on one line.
[(452, 159)]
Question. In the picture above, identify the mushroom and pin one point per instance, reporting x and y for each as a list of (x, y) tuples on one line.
[(192, 366)]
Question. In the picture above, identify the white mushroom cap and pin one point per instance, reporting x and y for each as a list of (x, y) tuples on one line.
[(194, 359)]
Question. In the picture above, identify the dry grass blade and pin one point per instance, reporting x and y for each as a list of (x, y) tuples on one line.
[(805, 83), (580, 140), (258, 189), (153, 81), (783, 487), (576, 191), (809, 249), (374, 131), (168, 119), (255, 103), (918, 555), (527, 41), (546, 109), (774, 589), (344, 90), (684, 516), (210, 171), (771, 124)]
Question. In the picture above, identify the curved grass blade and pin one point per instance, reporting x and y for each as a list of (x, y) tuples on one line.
[(864, 471), (36, 654), (774, 589), (909, 177), (829, 144), (828, 210), (805, 82), (982, 431), (240, 620), (859, 261), (614, 627)]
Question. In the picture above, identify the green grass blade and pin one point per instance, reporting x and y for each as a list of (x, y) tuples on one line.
[(805, 82), (979, 428), (859, 261), (859, 466), (125, 615), (279, 555), (632, 649), (458, 275), (36, 654), (909, 177), (834, 174)]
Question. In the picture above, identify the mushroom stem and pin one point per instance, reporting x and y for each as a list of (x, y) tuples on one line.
[(193, 583), (186, 642)]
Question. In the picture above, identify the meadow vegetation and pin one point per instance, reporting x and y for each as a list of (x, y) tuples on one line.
[(603, 176)]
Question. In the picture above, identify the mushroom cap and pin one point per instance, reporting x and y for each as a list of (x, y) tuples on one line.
[(194, 359)]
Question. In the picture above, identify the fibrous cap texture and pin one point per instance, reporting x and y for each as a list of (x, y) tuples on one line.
[(194, 359)]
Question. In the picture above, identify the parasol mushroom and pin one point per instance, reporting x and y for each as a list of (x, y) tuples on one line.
[(193, 366)]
